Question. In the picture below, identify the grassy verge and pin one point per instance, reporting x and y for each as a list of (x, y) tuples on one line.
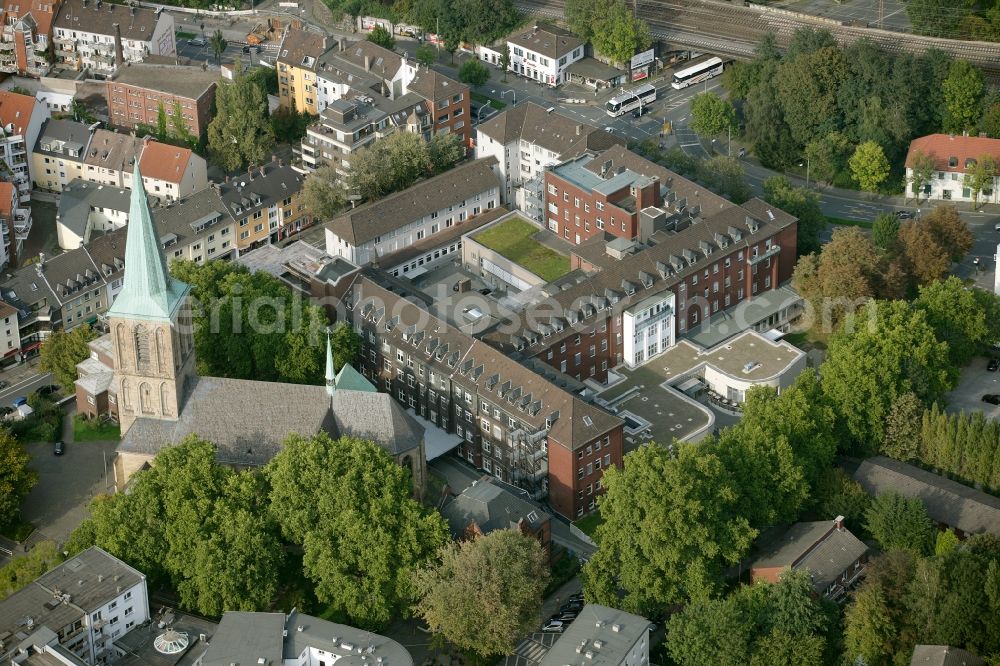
[(864, 224), (805, 340), (184, 34), (588, 524), (483, 99), (93, 430), (17, 531)]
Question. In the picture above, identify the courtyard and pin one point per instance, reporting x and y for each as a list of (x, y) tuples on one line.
[(515, 240)]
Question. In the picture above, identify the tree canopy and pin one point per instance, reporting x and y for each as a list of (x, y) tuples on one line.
[(483, 595), (801, 202), (240, 134), (16, 478), (397, 161), (24, 569), (898, 523), (323, 193), (711, 115), (61, 351)]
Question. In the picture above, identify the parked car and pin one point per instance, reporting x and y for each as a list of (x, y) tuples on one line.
[(993, 365), (576, 596), (4, 384), (554, 626), (992, 398), (996, 227), (197, 41), (59, 448), (565, 618), (23, 400), (47, 390), (641, 111), (904, 214), (571, 607), (251, 48)]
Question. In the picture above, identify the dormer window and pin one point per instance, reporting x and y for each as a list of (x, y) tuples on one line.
[(953, 161), (970, 162)]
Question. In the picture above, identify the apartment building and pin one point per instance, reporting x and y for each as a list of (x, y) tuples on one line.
[(399, 220), (451, 101), (169, 172), (87, 209), (540, 53), (88, 602), (15, 223), (344, 127), (27, 33), (59, 153), (266, 204), (199, 228), (103, 36), (953, 157), (298, 62), (363, 67), (526, 140), (21, 117), (138, 92), (514, 423), (10, 334), (603, 635), (110, 156)]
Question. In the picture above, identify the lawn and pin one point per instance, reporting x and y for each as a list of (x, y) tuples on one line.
[(183, 34), (483, 99), (588, 524), (513, 239), (92, 430), (864, 224)]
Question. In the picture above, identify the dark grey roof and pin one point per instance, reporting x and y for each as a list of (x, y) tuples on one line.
[(490, 507), (377, 417), (592, 68), (180, 80), (25, 290), (819, 547), (71, 274), (301, 48), (946, 501), (136, 23), (348, 646), (614, 630), (138, 644), (565, 136), (245, 638), (111, 150), (80, 197), (176, 217), (367, 222), (433, 85), (275, 184), (61, 135), (246, 436), (943, 655), (546, 40), (379, 58)]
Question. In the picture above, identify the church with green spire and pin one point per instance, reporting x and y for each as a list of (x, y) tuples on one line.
[(160, 399)]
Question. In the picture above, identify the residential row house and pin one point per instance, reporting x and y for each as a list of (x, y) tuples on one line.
[(954, 158), (15, 223), (432, 206), (514, 424), (693, 255), (539, 53), (81, 606), (102, 37), (139, 91), (387, 92), (66, 150), (526, 140), (27, 36), (266, 203), (21, 120)]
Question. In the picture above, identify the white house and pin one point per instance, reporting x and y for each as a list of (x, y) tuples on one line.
[(21, 117), (540, 53), (954, 156), (399, 220)]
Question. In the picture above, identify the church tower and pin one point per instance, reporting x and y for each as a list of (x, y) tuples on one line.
[(150, 324)]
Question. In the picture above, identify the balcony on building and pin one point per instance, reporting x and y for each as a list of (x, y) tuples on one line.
[(6, 46)]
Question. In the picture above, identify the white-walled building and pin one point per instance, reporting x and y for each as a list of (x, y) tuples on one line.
[(648, 328), (399, 220), (528, 138), (87, 601), (103, 36), (21, 118), (86, 208), (602, 635), (540, 53), (954, 157)]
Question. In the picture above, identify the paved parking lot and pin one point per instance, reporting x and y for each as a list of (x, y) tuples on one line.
[(975, 382)]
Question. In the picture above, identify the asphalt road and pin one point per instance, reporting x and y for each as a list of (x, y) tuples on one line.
[(23, 386)]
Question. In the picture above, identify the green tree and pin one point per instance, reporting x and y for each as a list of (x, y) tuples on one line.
[(869, 166), (348, 504), (61, 351), (425, 55), (709, 632), (583, 16), (474, 73), (161, 122), (669, 530), (902, 428), (16, 478), (180, 129), (726, 175), (946, 542), (801, 202), (807, 87), (618, 35), (837, 494), (828, 156), (868, 627), (927, 261), (381, 36), (24, 569), (322, 193), (898, 523), (885, 350), (962, 92), (444, 150), (218, 43), (452, 42), (957, 316), (346, 345), (81, 113), (949, 230), (484, 594), (885, 231), (990, 123), (922, 167), (980, 176), (711, 115), (938, 18), (241, 132), (505, 62), (780, 648), (389, 165)]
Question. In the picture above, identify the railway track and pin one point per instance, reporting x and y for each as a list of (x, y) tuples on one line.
[(735, 30)]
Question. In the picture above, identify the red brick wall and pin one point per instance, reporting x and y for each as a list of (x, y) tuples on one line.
[(568, 493), (462, 107), (120, 112)]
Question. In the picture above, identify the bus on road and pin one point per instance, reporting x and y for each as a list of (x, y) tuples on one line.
[(697, 72), (631, 99)]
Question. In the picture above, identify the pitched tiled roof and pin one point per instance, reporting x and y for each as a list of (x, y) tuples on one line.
[(367, 222), (376, 417), (546, 40), (380, 61), (16, 110), (491, 508), (270, 183), (819, 546), (301, 48), (946, 501), (111, 150), (161, 161), (943, 655), (61, 136), (41, 11), (952, 153), (561, 134), (136, 23), (433, 85)]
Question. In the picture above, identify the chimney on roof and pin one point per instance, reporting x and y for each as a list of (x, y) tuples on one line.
[(838, 522), (274, 158), (119, 57), (262, 171), (579, 129), (367, 63)]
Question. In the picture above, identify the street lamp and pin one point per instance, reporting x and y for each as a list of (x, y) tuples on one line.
[(513, 93), (807, 170)]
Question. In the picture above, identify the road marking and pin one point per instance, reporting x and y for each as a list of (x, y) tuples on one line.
[(688, 145)]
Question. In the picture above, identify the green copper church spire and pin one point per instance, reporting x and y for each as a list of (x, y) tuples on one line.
[(331, 377), (149, 291)]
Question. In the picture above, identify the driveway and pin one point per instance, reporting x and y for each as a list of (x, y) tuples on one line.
[(66, 484), (975, 381)]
